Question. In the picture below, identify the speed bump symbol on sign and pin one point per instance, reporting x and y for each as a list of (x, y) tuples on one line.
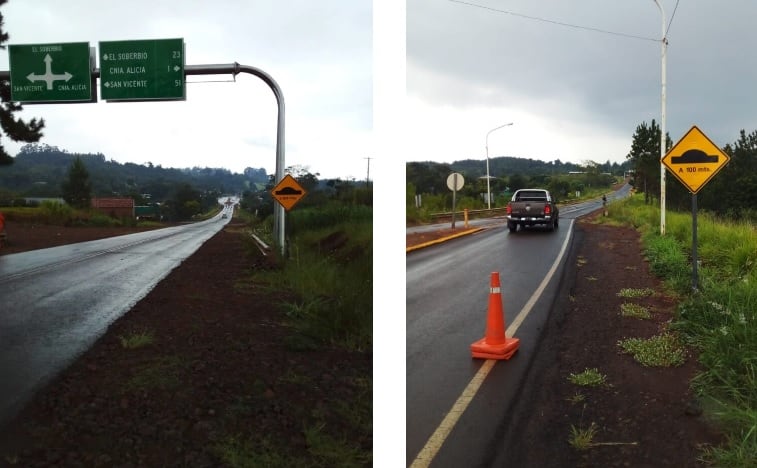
[(288, 192), (695, 159)]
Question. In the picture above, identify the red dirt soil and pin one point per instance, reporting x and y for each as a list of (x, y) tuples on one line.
[(219, 370), (232, 363)]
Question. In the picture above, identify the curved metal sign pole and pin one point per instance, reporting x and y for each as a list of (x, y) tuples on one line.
[(235, 68)]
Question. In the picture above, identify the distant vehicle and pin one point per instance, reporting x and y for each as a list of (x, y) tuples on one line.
[(224, 216), (531, 207)]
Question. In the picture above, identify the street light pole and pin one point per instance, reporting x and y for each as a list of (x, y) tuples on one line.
[(488, 188), (663, 140)]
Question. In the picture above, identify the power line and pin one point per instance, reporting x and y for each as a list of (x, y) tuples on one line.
[(536, 18), (671, 18)]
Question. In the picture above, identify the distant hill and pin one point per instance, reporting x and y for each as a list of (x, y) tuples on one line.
[(430, 177), (38, 171), (503, 166)]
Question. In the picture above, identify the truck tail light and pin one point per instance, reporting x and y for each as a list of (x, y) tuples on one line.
[(547, 209), (509, 208)]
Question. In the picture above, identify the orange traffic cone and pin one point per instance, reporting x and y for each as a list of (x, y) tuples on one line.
[(495, 345)]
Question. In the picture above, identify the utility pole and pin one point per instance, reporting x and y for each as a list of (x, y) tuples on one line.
[(663, 139), (368, 175)]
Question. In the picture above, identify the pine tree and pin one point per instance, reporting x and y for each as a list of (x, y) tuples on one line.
[(14, 128), (77, 189)]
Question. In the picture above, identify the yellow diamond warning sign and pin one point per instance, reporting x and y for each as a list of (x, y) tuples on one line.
[(288, 192), (694, 160)]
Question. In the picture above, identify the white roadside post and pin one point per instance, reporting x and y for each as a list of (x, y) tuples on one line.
[(663, 52)]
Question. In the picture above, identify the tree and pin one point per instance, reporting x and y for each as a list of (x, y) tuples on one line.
[(736, 182), (77, 189), (645, 156), (304, 177), (13, 128), (517, 182), (185, 202)]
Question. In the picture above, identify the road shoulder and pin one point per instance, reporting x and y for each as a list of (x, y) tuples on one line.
[(643, 415)]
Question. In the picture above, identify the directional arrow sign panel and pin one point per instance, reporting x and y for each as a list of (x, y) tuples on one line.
[(288, 192), (50, 72), (694, 160), (142, 70)]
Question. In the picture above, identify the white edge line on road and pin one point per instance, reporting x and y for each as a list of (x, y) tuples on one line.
[(434, 443)]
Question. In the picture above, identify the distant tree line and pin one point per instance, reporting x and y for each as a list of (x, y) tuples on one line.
[(38, 170), (508, 174), (317, 192)]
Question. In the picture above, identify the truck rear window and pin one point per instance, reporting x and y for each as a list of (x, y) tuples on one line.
[(531, 196)]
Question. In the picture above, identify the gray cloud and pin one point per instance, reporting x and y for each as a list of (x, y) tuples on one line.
[(464, 56)]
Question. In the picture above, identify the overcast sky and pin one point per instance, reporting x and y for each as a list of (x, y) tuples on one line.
[(319, 53), (574, 94)]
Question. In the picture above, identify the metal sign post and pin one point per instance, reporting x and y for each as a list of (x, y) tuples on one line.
[(694, 161), (694, 259), (235, 69), (454, 183)]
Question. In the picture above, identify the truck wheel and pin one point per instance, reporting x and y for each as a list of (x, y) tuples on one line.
[(512, 227), (553, 225)]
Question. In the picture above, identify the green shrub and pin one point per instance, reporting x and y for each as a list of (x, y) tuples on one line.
[(55, 213)]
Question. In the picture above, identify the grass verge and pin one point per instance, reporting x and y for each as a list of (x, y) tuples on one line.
[(717, 315), (325, 282)]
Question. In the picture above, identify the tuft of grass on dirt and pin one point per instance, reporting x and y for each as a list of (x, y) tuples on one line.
[(629, 309), (323, 450), (326, 450), (665, 350), (162, 373), (577, 398), (588, 378), (631, 292), (137, 339), (238, 452), (582, 438)]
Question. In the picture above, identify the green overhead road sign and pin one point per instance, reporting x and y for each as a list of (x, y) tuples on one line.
[(50, 72), (142, 70)]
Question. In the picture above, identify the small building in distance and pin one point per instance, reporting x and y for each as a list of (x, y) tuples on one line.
[(114, 207)]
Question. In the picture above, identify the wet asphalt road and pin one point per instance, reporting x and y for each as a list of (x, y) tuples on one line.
[(446, 307), (56, 302)]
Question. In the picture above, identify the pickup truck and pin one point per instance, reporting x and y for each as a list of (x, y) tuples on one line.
[(531, 207)]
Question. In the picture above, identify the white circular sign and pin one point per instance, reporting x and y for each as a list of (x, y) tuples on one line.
[(455, 181)]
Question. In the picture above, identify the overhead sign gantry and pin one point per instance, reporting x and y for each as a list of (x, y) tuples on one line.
[(63, 72)]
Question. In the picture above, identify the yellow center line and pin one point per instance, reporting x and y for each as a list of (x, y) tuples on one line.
[(434, 443)]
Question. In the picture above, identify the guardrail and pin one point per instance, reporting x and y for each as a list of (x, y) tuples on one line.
[(471, 213)]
